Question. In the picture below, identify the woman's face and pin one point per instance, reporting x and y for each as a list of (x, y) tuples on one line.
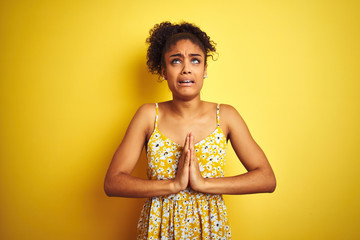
[(185, 69)]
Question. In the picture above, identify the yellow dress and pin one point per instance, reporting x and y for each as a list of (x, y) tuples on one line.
[(187, 214)]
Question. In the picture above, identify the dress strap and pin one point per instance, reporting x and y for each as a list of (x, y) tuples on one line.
[(157, 114), (218, 115)]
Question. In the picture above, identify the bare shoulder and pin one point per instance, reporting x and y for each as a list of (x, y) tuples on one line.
[(209, 106), (230, 119), (228, 112), (227, 109), (145, 117), (146, 110)]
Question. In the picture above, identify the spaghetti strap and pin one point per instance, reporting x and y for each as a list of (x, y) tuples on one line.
[(218, 115), (157, 114)]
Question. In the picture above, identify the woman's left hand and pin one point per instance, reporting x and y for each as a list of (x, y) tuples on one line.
[(196, 180)]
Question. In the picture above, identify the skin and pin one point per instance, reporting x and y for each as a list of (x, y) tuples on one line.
[(193, 117)]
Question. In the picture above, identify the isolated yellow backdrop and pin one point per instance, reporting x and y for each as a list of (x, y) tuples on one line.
[(73, 73)]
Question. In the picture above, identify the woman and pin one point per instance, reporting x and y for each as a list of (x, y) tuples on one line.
[(186, 156)]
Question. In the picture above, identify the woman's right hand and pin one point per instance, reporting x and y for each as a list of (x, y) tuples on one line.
[(182, 175)]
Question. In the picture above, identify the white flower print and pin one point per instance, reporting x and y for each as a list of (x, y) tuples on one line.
[(205, 149), (157, 144), (202, 215), (166, 154), (168, 142), (218, 137), (201, 168), (217, 225)]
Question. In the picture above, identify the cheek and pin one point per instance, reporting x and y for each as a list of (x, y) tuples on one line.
[(172, 71), (201, 70)]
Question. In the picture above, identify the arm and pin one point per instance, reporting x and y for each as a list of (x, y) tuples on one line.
[(118, 180), (260, 176)]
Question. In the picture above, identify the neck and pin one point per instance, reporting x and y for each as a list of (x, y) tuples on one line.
[(186, 107)]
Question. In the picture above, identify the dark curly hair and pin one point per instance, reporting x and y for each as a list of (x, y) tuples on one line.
[(164, 35)]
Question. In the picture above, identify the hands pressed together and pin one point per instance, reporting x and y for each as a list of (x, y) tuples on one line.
[(188, 172)]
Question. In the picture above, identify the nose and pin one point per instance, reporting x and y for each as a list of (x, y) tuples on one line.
[(186, 68)]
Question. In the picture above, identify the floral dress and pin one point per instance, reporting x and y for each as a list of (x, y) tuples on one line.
[(187, 214)]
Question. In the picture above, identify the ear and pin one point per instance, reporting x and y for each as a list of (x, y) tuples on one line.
[(163, 73), (205, 70)]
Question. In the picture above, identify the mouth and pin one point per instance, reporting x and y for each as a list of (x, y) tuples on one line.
[(186, 82)]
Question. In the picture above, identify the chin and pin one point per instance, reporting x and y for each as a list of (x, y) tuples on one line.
[(187, 97)]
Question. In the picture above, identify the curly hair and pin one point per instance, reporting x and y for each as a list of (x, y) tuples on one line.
[(164, 35)]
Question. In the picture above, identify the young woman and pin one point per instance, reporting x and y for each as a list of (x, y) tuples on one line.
[(185, 140)]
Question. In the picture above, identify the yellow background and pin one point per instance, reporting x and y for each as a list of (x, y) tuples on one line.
[(73, 73)]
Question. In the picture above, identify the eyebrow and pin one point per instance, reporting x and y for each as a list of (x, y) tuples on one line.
[(191, 55)]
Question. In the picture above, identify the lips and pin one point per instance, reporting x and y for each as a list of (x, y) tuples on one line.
[(186, 82)]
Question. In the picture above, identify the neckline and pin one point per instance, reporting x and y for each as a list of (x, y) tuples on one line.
[(202, 140)]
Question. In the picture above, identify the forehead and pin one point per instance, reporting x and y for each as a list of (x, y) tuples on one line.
[(184, 46)]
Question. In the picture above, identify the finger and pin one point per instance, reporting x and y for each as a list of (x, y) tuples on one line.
[(184, 151), (191, 140), (186, 139), (191, 156), (187, 159), (186, 162), (187, 143), (192, 146)]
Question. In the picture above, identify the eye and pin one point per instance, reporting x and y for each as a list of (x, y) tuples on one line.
[(175, 61), (195, 60)]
